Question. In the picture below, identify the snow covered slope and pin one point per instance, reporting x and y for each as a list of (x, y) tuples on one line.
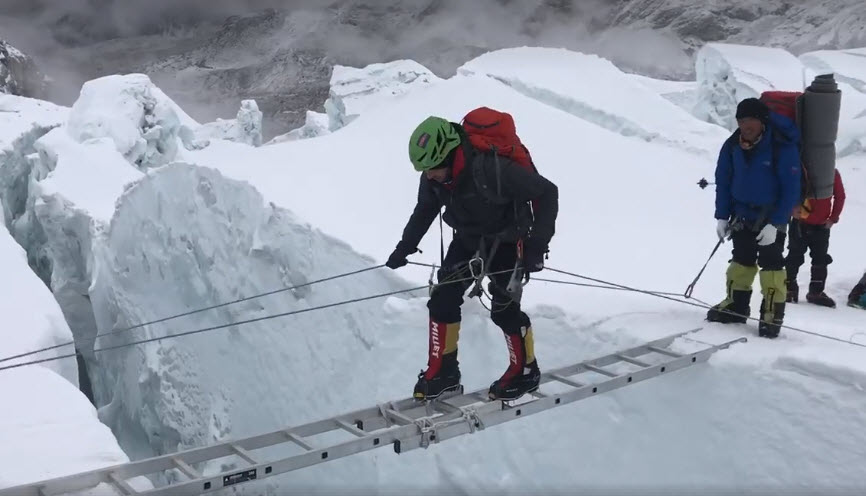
[(237, 220), (630, 213), (593, 89)]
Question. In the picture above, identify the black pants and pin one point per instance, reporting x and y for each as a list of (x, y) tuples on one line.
[(747, 252), (445, 302), (804, 237)]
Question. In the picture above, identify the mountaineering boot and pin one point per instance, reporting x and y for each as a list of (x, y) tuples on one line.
[(446, 379), (793, 293), (443, 371), (772, 306), (735, 309), (522, 375), (857, 297), (816, 293)]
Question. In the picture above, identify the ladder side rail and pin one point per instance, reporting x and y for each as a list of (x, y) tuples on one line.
[(288, 464)]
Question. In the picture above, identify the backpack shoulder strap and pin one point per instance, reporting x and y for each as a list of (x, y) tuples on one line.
[(479, 176)]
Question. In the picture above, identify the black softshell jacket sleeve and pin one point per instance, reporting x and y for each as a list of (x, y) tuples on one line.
[(426, 209), (521, 184)]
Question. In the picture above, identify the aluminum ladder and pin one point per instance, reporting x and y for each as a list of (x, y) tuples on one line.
[(406, 425)]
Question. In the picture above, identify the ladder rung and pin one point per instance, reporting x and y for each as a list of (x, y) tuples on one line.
[(350, 428), (299, 441), (599, 370), (244, 454), (566, 381), (444, 407), (538, 394), (664, 351), (122, 485), (398, 418), (633, 361), (185, 468)]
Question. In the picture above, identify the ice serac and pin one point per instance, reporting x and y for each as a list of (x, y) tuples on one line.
[(728, 74), (245, 128), (49, 428), (316, 124), (353, 90), (145, 125), (185, 237)]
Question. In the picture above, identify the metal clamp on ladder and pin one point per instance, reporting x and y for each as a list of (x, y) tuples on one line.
[(428, 431)]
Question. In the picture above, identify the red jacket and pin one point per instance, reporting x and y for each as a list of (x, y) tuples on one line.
[(817, 212)]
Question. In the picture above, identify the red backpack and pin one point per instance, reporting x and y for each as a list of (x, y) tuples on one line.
[(491, 130), (790, 104), (783, 102)]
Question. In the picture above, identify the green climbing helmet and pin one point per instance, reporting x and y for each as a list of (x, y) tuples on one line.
[(431, 142)]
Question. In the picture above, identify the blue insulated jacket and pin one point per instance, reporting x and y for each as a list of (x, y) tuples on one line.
[(762, 183)]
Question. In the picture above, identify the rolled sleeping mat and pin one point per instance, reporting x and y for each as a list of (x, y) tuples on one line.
[(821, 103)]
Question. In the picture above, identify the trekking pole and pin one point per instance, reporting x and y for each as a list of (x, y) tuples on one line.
[(691, 288)]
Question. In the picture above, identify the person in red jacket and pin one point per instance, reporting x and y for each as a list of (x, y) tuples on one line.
[(810, 230)]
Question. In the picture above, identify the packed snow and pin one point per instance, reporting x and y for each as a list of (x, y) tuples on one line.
[(594, 90), (230, 220)]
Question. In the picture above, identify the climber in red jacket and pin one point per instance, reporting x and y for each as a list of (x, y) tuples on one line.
[(810, 230)]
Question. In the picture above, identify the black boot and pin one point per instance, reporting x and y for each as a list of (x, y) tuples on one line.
[(769, 328), (855, 299), (507, 389), (446, 379), (734, 310), (816, 293), (793, 295)]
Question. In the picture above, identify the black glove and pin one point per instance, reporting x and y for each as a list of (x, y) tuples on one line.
[(398, 257), (533, 255)]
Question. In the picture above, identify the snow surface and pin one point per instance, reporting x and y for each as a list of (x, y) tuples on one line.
[(238, 220), (593, 89), (728, 74)]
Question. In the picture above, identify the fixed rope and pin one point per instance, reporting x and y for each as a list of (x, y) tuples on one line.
[(702, 305), (244, 322), (192, 312)]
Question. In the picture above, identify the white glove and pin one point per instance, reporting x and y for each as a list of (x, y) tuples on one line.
[(767, 236), (723, 229)]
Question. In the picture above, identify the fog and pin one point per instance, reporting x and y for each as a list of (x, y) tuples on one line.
[(76, 40)]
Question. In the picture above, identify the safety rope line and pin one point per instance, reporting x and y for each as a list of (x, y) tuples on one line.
[(700, 305), (192, 312), (675, 297), (243, 322)]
